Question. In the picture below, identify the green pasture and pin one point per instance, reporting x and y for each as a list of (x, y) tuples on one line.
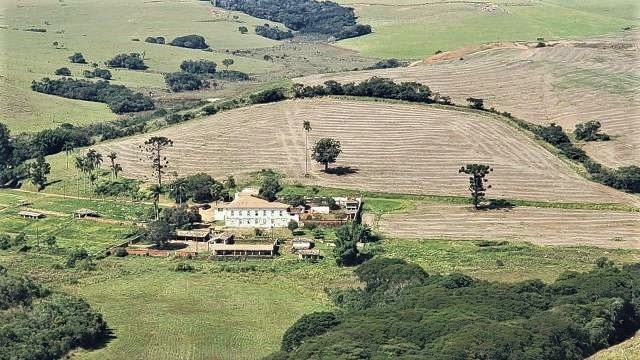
[(415, 29), (101, 30)]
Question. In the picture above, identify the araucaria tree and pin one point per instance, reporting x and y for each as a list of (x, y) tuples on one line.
[(38, 172), (306, 125), (154, 147), (326, 151), (477, 181)]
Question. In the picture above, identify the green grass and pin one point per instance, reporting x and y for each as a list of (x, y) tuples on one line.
[(403, 30), (101, 30)]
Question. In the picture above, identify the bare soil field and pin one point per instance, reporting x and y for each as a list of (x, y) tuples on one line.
[(565, 83), (609, 229), (386, 147)]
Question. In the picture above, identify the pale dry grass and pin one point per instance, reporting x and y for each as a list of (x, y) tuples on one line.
[(391, 147), (567, 83), (608, 229)]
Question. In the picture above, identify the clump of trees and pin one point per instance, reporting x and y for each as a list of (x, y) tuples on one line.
[(386, 64), (119, 98), (269, 184), (306, 16), (267, 96), (155, 40), (273, 33), (38, 171), (200, 188), (131, 61), (184, 81), (231, 75), (190, 41), (63, 71), (198, 67), (77, 58), (403, 312), (97, 72), (589, 131), (40, 324), (373, 87), (348, 236)]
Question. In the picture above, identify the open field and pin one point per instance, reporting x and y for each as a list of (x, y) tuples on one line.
[(567, 83), (388, 147), (418, 28), (81, 26), (610, 229)]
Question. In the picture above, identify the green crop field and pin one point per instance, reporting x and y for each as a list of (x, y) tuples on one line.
[(417, 29), (81, 26)]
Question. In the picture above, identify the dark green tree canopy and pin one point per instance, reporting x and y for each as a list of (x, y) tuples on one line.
[(326, 151), (477, 179)]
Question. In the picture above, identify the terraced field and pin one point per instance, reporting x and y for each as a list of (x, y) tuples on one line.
[(388, 147), (567, 83), (540, 226)]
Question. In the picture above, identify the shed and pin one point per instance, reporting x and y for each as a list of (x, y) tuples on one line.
[(193, 235), (311, 254), (82, 213), (302, 244), (243, 250), (223, 238), (31, 214)]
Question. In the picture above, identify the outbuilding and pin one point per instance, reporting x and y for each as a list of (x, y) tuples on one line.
[(30, 214)]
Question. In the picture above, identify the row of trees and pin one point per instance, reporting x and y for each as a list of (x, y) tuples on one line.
[(403, 312), (119, 98), (306, 16)]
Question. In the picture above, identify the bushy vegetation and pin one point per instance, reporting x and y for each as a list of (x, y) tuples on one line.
[(119, 98), (63, 71), (373, 87), (190, 41), (198, 66), (273, 33), (231, 75), (77, 58), (97, 72), (269, 184), (386, 64), (131, 61), (119, 187), (184, 81), (403, 312), (200, 188), (267, 96), (305, 16), (38, 324), (155, 40), (589, 131)]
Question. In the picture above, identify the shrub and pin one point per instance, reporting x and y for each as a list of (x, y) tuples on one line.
[(190, 41), (588, 131), (63, 71), (184, 267), (386, 64), (180, 81), (97, 72), (231, 75), (5, 242), (120, 252), (131, 61), (243, 29), (74, 256), (273, 33), (77, 58), (210, 109), (198, 66)]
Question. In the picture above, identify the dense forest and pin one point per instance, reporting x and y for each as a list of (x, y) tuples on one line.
[(305, 16), (403, 312), (38, 324)]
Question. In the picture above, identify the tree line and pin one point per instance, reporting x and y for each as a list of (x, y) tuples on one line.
[(306, 16), (273, 33), (403, 312)]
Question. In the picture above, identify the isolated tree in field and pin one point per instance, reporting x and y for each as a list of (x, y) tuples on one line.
[(154, 148), (588, 131), (77, 58), (156, 190), (292, 226), (476, 103), (270, 187), (227, 63), (306, 126), (243, 30), (38, 172), (326, 151), (477, 181)]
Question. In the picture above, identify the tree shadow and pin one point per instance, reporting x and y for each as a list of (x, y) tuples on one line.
[(101, 342), (174, 246), (52, 182), (342, 170), (498, 204)]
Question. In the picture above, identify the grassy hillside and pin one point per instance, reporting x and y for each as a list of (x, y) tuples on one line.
[(417, 29)]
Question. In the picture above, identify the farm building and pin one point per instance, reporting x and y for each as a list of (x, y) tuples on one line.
[(301, 244), (30, 214), (222, 238), (242, 250), (247, 210), (193, 235), (309, 254), (83, 213)]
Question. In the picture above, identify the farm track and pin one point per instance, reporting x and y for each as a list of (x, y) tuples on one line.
[(390, 147), (540, 226), (566, 84)]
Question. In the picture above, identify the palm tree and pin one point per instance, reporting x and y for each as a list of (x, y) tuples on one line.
[(81, 166), (67, 148), (116, 169), (92, 181), (306, 125), (113, 156), (94, 159), (156, 190)]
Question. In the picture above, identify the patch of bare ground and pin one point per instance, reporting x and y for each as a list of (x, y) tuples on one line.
[(387, 147), (566, 83), (610, 229)]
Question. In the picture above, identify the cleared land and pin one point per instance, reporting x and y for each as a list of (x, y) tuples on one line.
[(418, 28), (611, 229), (386, 147), (567, 83)]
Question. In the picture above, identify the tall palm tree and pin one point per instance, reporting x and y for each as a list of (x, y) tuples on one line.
[(80, 166), (306, 125), (156, 190), (94, 159), (113, 156), (68, 149)]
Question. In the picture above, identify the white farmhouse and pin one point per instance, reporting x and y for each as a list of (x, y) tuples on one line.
[(247, 210)]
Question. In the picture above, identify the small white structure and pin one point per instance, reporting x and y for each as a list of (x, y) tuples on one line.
[(320, 209), (249, 211)]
